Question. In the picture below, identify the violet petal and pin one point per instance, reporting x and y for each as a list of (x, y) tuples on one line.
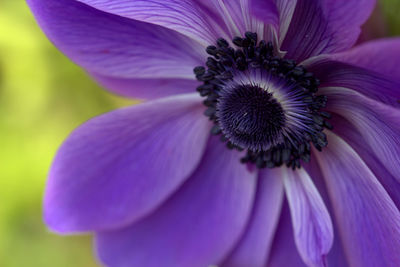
[(286, 10), (120, 166), (381, 56), (369, 222), (351, 135), (115, 46), (197, 226), (378, 124), (146, 88), (284, 251), (266, 11), (325, 26), (336, 255), (367, 82), (254, 247), (184, 16), (312, 224)]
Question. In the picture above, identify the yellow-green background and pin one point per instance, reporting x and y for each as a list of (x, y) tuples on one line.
[(43, 96)]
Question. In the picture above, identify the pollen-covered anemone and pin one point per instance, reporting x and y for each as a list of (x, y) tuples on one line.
[(161, 184)]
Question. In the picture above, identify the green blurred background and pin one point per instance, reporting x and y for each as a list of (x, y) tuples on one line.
[(43, 97)]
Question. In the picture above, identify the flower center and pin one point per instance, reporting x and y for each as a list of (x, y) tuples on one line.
[(250, 117), (262, 103)]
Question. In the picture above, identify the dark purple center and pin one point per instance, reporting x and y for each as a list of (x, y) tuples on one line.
[(250, 117), (262, 103)]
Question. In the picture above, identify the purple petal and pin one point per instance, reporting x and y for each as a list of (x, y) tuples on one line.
[(236, 15), (279, 13), (265, 10), (325, 26), (268, 13), (381, 56), (120, 166), (368, 220), (114, 46), (184, 16), (336, 256), (286, 10), (367, 82), (147, 88), (254, 246), (195, 227), (312, 224), (375, 27), (351, 135), (284, 252), (378, 124), (347, 16)]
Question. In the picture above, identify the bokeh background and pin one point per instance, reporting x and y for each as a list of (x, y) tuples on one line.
[(43, 97)]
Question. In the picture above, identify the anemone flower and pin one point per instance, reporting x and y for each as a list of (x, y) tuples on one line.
[(239, 173)]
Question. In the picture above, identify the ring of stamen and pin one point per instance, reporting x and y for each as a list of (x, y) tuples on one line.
[(262, 103)]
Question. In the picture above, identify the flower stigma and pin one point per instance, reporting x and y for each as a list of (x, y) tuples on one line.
[(262, 103)]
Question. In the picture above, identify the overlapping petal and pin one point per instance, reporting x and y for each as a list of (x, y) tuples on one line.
[(261, 17), (278, 13), (184, 16), (367, 82), (351, 135), (368, 220), (197, 226), (336, 255), (120, 166), (346, 18), (284, 251), (377, 123), (321, 27), (382, 56), (253, 249), (114, 46), (147, 88), (266, 11), (312, 225), (286, 10)]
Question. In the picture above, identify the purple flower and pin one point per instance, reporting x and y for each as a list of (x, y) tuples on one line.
[(161, 184)]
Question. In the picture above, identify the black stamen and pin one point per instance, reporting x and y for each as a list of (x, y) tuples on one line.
[(222, 43), (248, 116), (238, 41)]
